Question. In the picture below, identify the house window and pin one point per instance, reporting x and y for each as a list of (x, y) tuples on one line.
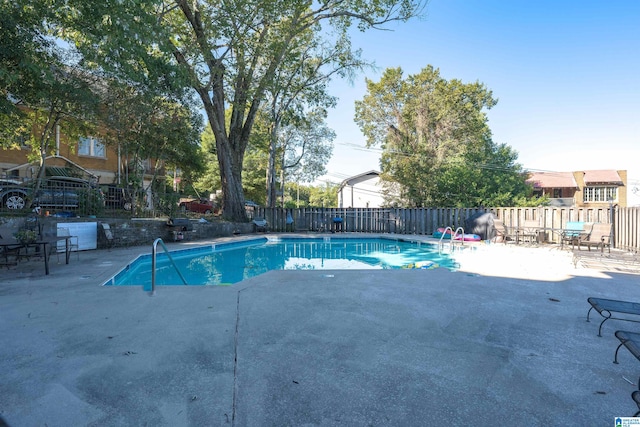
[(22, 140), (600, 194), (91, 146), (557, 193)]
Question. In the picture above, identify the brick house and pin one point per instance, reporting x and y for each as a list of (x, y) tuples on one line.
[(590, 188), (88, 154)]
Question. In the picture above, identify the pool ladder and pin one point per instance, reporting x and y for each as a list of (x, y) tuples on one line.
[(453, 238), (154, 252)]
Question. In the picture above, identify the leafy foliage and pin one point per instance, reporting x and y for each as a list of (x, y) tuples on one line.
[(308, 147), (208, 181), (324, 196), (296, 103), (227, 52), (25, 59), (437, 146)]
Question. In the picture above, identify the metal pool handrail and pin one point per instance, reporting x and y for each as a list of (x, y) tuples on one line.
[(154, 251), (461, 230), (444, 233), (453, 235)]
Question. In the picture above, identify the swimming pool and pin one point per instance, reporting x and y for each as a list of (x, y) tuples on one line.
[(232, 262)]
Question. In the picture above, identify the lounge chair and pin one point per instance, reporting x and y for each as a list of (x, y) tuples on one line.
[(600, 236), (607, 307), (260, 224)]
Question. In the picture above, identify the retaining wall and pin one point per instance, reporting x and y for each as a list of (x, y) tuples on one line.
[(137, 232)]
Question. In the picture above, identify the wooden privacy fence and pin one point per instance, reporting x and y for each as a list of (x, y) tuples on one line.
[(627, 229), (426, 220)]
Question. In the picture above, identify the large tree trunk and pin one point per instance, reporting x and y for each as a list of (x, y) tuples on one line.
[(230, 152), (231, 180)]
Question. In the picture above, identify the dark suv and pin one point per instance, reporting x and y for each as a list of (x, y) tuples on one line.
[(56, 192), (13, 193), (64, 192)]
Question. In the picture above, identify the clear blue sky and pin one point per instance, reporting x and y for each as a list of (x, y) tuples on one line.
[(566, 74)]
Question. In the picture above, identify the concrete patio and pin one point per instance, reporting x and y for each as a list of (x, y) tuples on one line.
[(502, 341)]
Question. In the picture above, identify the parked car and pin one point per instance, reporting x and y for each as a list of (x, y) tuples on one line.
[(117, 197), (13, 194), (64, 192), (202, 206)]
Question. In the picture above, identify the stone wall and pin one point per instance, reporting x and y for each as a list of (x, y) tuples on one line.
[(136, 232)]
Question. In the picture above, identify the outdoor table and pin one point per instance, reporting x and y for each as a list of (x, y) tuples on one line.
[(43, 243), (531, 232), (557, 231), (552, 230)]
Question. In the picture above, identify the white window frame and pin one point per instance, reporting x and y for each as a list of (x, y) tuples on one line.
[(91, 147), (600, 194)]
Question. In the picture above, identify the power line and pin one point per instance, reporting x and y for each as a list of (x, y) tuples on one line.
[(486, 166)]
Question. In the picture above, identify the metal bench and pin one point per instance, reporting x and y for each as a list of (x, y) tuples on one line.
[(631, 341), (607, 307), (636, 398)]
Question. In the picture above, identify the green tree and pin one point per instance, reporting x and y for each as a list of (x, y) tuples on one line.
[(297, 98), (306, 148), (207, 182), (144, 125), (325, 196), (43, 86), (296, 195), (66, 100), (228, 51), (255, 164), (437, 146), (26, 56)]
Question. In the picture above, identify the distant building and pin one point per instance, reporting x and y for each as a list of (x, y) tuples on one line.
[(591, 188), (361, 191), (88, 154), (86, 157)]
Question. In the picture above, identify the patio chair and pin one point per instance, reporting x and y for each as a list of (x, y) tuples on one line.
[(290, 223), (260, 224), (600, 236), (73, 241), (107, 235), (528, 232), (572, 232), (502, 232)]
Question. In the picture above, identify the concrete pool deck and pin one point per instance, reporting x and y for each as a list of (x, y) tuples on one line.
[(502, 341)]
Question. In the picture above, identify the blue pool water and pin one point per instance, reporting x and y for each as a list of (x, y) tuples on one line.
[(229, 263)]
